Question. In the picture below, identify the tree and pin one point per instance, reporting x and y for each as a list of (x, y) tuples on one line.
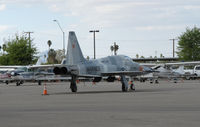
[(0, 50), (18, 52), (49, 43), (114, 48), (52, 57), (137, 56), (4, 60), (60, 55), (189, 44), (161, 55), (4, 48)]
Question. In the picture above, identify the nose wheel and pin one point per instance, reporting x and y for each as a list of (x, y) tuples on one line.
[(124, 83), (132, 86)]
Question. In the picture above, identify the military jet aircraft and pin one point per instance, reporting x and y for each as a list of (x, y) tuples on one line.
[(108, 67)]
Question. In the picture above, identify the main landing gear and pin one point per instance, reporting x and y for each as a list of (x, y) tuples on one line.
[(18, 83), (73, 85), (125, 84)]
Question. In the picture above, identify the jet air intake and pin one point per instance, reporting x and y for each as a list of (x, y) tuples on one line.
[(60, 71), (97, 79), (110, 79)]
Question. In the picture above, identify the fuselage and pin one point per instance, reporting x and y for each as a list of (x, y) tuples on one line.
[(107, 64)]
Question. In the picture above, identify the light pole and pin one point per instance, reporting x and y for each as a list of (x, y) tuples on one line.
[(173, 46), (29, 37), (63, 35), (94, 31)]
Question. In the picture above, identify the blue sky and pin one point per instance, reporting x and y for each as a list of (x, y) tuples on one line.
[(141, 27)]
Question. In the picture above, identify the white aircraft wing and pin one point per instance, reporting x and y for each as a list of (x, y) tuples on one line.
[(155, 66), (148, 64), (183, 63), (10, 67), (46, 66)]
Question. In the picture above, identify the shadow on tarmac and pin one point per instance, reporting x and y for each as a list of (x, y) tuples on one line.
[(156, 90), (89, 92)]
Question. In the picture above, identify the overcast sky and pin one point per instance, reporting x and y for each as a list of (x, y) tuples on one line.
[(141, 27)]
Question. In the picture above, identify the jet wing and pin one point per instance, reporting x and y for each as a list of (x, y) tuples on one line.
[(129, 73), (89, 76)]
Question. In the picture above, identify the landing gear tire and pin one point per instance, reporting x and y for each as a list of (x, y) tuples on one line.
[(132, 87), (17, 83), (175, 80), (124, 88), (151, 81), (21, 82), (156, 81), (6, 82), (73, 85), (39, 83)]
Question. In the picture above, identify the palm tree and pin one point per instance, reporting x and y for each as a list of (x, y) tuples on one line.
[(161, 55), (114, 48), (137, 56), (111, 48), (49, 43)]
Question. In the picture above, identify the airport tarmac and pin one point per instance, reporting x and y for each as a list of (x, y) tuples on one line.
[(165, 104)]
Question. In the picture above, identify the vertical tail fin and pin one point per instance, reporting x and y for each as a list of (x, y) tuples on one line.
[(180, 70), (74, 53)]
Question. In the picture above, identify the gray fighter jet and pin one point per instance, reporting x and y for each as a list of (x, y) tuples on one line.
[(108, 67)]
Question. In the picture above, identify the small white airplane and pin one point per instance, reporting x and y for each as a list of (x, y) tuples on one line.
[(32, 76), (21, 74), (5, 76), (165, 70), (77, 66), (8, 68)]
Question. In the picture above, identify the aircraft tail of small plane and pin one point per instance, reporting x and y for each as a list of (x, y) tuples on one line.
[(180, 70), (74, 53)]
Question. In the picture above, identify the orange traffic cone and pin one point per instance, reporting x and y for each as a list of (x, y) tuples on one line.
[(45, 90)]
